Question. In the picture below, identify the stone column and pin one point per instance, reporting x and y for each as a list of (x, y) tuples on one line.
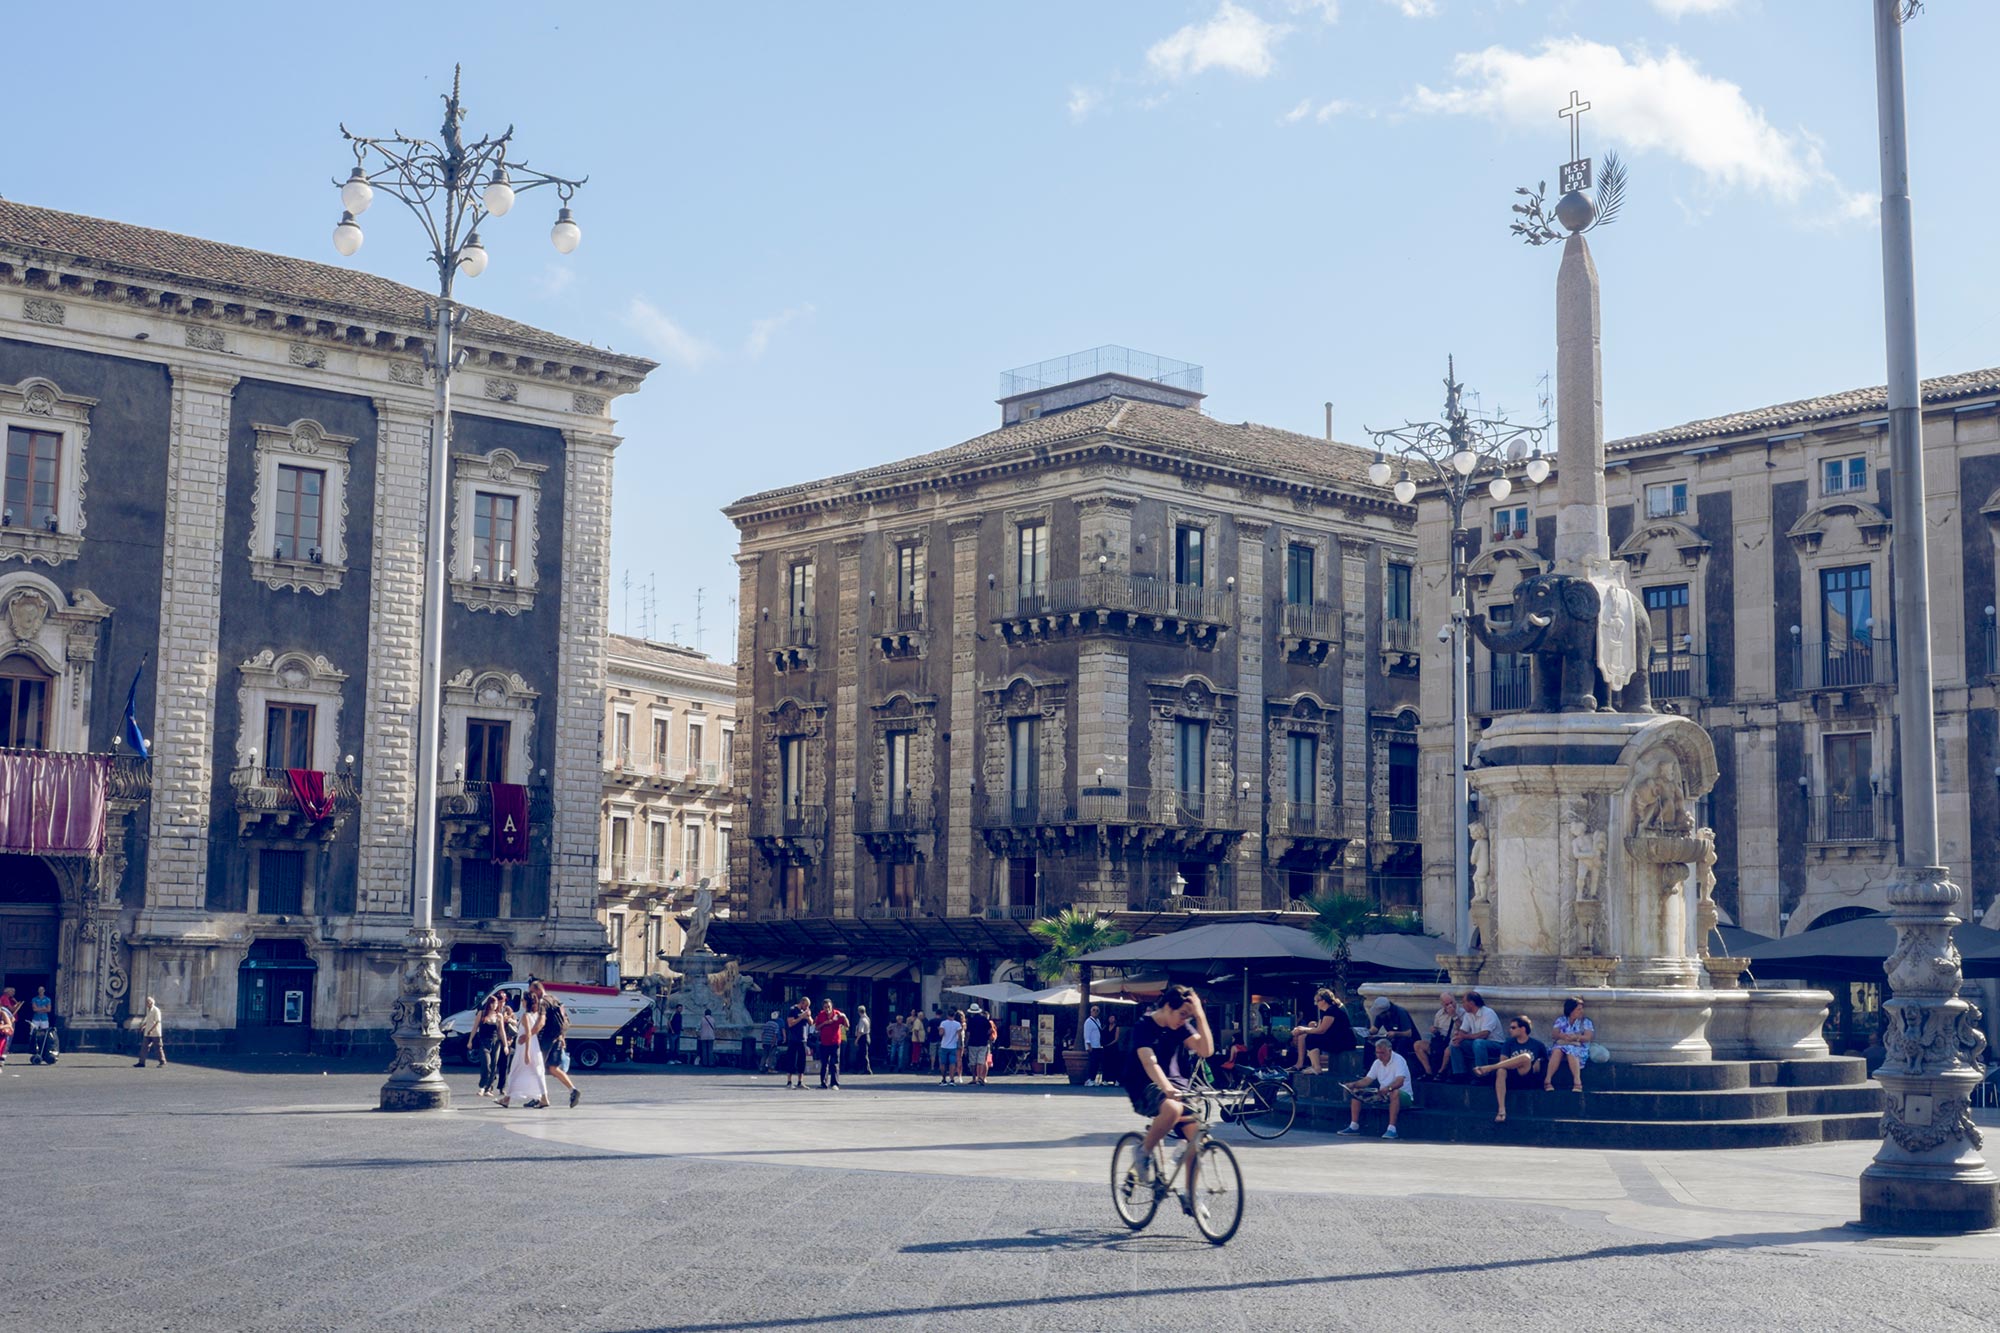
[(395, 657), (1581, 530), (966, 614), (1250, 729), (577, 772), (749, 734), (846, 736), (188, 661)]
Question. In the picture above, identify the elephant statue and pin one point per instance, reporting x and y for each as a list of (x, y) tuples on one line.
[(1556, 623)]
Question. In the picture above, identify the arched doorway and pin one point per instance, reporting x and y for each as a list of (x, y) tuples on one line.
[(30, 906), (274, 998)]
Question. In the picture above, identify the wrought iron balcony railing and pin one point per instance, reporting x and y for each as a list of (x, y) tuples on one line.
[(1403, 823), (1314, 620), (1842, 664), (1509, 690), (1399, 636), (462, 800), (1852, 818), (788, 821), (905, 813), (1315, 819), (1678, 675), (1128, 593), (1164, 806)]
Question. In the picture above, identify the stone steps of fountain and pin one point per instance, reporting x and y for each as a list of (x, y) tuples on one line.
[(1727, 1104)]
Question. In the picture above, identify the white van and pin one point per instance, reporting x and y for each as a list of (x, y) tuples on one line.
[(597, 1015)]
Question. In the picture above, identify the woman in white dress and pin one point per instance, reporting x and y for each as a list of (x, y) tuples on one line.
[(529, 1075)]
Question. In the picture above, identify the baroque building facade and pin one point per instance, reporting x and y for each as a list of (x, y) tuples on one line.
[(1115, 655), (669, 778), (1758, 545), (215, 478)]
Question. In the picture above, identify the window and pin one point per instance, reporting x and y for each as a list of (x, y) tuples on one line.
[(1842, 476), (288, 735), (1396, 598), (485, 750), (281, 882), (792, 770), (655, 928), (34, 471), (728, 752), (1845, 611), (1666, 499), (1190, 758), (1304, 776), (909, 578), (1403, 776), (1031, 559), (695, 743), (24, 704), (621, 740), (1299, 574), (1024, 742), (691, 844), (656, 852), (795, 895), (479, 890), (621, 845), (1510, 522), (298, 525), (897, 746), (1188, 561), (799, 589), (722, 850), (1850, 806), (493, 523), (662, 727), (1672, 669)]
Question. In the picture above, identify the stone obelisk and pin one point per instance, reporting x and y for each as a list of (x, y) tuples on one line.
[(1582, 532)]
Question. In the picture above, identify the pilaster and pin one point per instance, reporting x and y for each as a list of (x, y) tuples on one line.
[(183, 729), (846, 738), (577, 770), (1250, 729), (749, 733), (964, 697), (1356, 664)]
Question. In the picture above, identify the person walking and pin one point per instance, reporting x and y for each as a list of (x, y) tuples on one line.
[(774, 1032), (527, 1076), (831, 1025), (674, 1037), (864, 1036), (949, 1030), (152, 1034), (487, 1044), (704, 1039), (978, 1044), (936, 1025), (1093, 1048), (555, 1049), (915, 1023), (898, 1033), (7, 1035), (797, 1024)]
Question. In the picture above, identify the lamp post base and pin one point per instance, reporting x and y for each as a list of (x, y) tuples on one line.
[(1928, 1200), (416, 1081)]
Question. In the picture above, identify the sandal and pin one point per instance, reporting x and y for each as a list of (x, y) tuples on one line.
[(1500, 1119), (1548, 1087)]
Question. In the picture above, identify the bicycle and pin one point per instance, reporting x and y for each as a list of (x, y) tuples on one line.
[(1264, 1103), (1215, 1203)]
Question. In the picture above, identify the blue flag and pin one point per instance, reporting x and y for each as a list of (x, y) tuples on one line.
[(133, 736)]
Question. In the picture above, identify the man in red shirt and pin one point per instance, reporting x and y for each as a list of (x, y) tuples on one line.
[(831, 1025)]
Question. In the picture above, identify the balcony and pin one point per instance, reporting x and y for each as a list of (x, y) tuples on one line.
[(465, 810), (1846, 664), (1510, 690), (898, 630), (1852, 821), (892, 826), (789, 833), (892, 911), (1396, 893), (1114, 603), (1312, 832), (1403, 823), (268, 805), (1400, 648), (1677, 675), (1307, 631), (1197, 824), (796, 644), (56, 776)]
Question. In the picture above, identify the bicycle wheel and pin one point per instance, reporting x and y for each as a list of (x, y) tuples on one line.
[(1135, 1200), (1218, 1193), (1269, 1109)]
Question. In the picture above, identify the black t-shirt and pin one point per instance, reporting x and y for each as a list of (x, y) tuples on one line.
[(795, 1028), (1166, 1045), (979, 1030), (1530, 1047)]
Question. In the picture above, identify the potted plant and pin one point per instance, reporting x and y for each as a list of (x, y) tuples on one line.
[(1069, 935)]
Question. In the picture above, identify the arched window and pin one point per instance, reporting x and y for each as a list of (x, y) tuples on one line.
[(24, 703)]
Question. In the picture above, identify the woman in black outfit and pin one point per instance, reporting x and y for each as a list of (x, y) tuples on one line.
[(1330, 1033)]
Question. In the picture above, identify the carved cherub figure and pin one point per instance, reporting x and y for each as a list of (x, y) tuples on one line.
[(1481, 854), (1588, 849)]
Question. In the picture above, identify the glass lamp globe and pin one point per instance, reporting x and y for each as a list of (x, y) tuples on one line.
[(472, 258), (1379, 471), (1500, 488), (1465, 460), (565, 235), (499, 195), (357, 193), (1406, 490), (347, 236), (1538, 470)]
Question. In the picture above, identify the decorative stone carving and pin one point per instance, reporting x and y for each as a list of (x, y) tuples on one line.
[(26, 611), (307, 355), (696, 940), (473, 586), (40, 404), (589, 404), (41, 310), (303, 443), (406, 372), (502, 390), (1482, 888), (204, 339)]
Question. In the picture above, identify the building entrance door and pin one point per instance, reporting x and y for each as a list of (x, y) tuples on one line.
[(30, 907)]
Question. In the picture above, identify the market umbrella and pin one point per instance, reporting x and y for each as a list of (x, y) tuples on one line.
[(1855, 950), (1067, 997), (1735, 940), (995, 992)]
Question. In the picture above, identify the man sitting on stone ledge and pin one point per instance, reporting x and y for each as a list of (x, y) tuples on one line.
[(1520, 1062), (1477, 1039), (1387, 1083)]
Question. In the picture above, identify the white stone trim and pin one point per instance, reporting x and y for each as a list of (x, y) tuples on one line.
[(304, 443), (500, 472), (580, 692), (58, 632), (292, 677), (40, 404), (501, 696)]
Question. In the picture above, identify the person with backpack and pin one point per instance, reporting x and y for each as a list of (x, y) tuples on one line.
[(555, 1051)]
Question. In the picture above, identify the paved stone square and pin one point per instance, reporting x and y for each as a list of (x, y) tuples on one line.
[(276, 1198)]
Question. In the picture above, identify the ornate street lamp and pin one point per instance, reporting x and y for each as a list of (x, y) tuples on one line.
[(1459, 456), (452, 187)]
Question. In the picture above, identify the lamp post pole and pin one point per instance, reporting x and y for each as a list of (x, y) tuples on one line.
[(451, 187), (1456, 455)]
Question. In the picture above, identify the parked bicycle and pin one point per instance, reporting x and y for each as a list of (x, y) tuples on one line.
[(1213, 1194), (1263, 1101)]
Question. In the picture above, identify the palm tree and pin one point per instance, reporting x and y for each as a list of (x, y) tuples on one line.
[(1338, 919), (1070, 935)]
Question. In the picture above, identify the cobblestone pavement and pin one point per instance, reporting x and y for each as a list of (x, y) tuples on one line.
[(200, 1198)]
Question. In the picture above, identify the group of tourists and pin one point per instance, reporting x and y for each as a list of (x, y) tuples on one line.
[(528, 1044), (41, 1009)]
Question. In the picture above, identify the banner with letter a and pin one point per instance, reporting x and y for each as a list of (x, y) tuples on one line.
[(510, 823)]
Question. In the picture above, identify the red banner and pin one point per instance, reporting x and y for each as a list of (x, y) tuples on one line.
[(53, 803), (309, 787), (510, 823)]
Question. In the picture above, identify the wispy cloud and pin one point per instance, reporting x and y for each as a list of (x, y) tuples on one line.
[(1234, 40), (1677, 9), (1645, 102), (1328, 10), (1321, 114), (555, 279), (1083, 101), (1423, 9), (664, 336), (762, 330)]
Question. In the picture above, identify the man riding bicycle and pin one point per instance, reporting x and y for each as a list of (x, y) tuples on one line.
[(1165, 1044)]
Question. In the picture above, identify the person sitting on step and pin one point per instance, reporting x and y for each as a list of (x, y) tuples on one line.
[(1520, 1062), (1387, 1083)]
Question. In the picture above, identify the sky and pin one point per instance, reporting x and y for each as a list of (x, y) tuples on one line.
[(835, 224)]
